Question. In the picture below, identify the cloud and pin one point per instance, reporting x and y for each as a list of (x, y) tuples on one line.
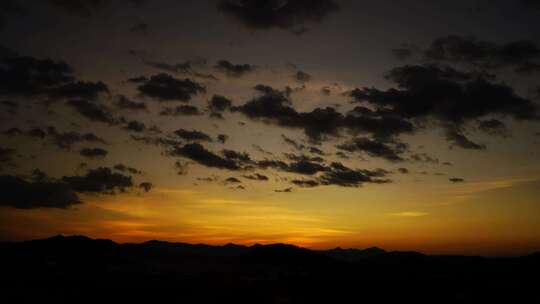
[(403, 170), (193, 135), (123, 168), (456, 180), (22, 194), (257, 177), (450, 97), (286, 190), (237, 156), (275, 107), (93, 111), (177, 68), (184, 110), (222, 138), (292, 15), (494, 127), (233, 180), (41, 191), (305, 183), (93, 153), (389, 150), (146, 186), (79, 89), (135, 126), (302, 77), (200, 155), (521, 54), (293, 143), (219, 103), (101, 180), (63, 140), (165, 87), (125, 103), (345, 177), (233, 70), (457, 138)]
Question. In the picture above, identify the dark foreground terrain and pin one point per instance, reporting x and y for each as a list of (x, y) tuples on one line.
[(82, 270)]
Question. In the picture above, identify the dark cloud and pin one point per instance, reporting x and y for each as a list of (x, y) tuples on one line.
[(63, 140), (456, 180), (302, 76), (23, 194), (193, 135), (295, 157), (101, 180), (125, 103), (305, 183), (233, 70), (219, 103), (200, 155), (93, 111), (292, 15), (181, 167), (184, 110), (28, 76), (316, 150), (456, 137), (423, 158), (79, 89), (233, 180), (126, 169), (222, 138), (164, 87), (448, 96), (286, 190), (494, 127), (521, 55), (146, 186), (403, 170), (274, 106), (94, 152), (305, 167), (293, 143), (236, 156), (177, 68), (257, 177), (135, 126), (389, 150), (41, 191), (340, 175)]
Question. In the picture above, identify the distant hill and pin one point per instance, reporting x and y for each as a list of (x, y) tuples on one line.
[(78, 269)]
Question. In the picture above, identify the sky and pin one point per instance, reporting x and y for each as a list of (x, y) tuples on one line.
[(323, 123)]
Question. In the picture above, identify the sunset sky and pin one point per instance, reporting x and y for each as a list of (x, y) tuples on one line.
[(407, 125)]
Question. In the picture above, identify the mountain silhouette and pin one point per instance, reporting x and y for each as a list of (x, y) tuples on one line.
[(78, 269)]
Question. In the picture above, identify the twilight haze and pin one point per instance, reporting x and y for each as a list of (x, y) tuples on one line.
[(323, 123)]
